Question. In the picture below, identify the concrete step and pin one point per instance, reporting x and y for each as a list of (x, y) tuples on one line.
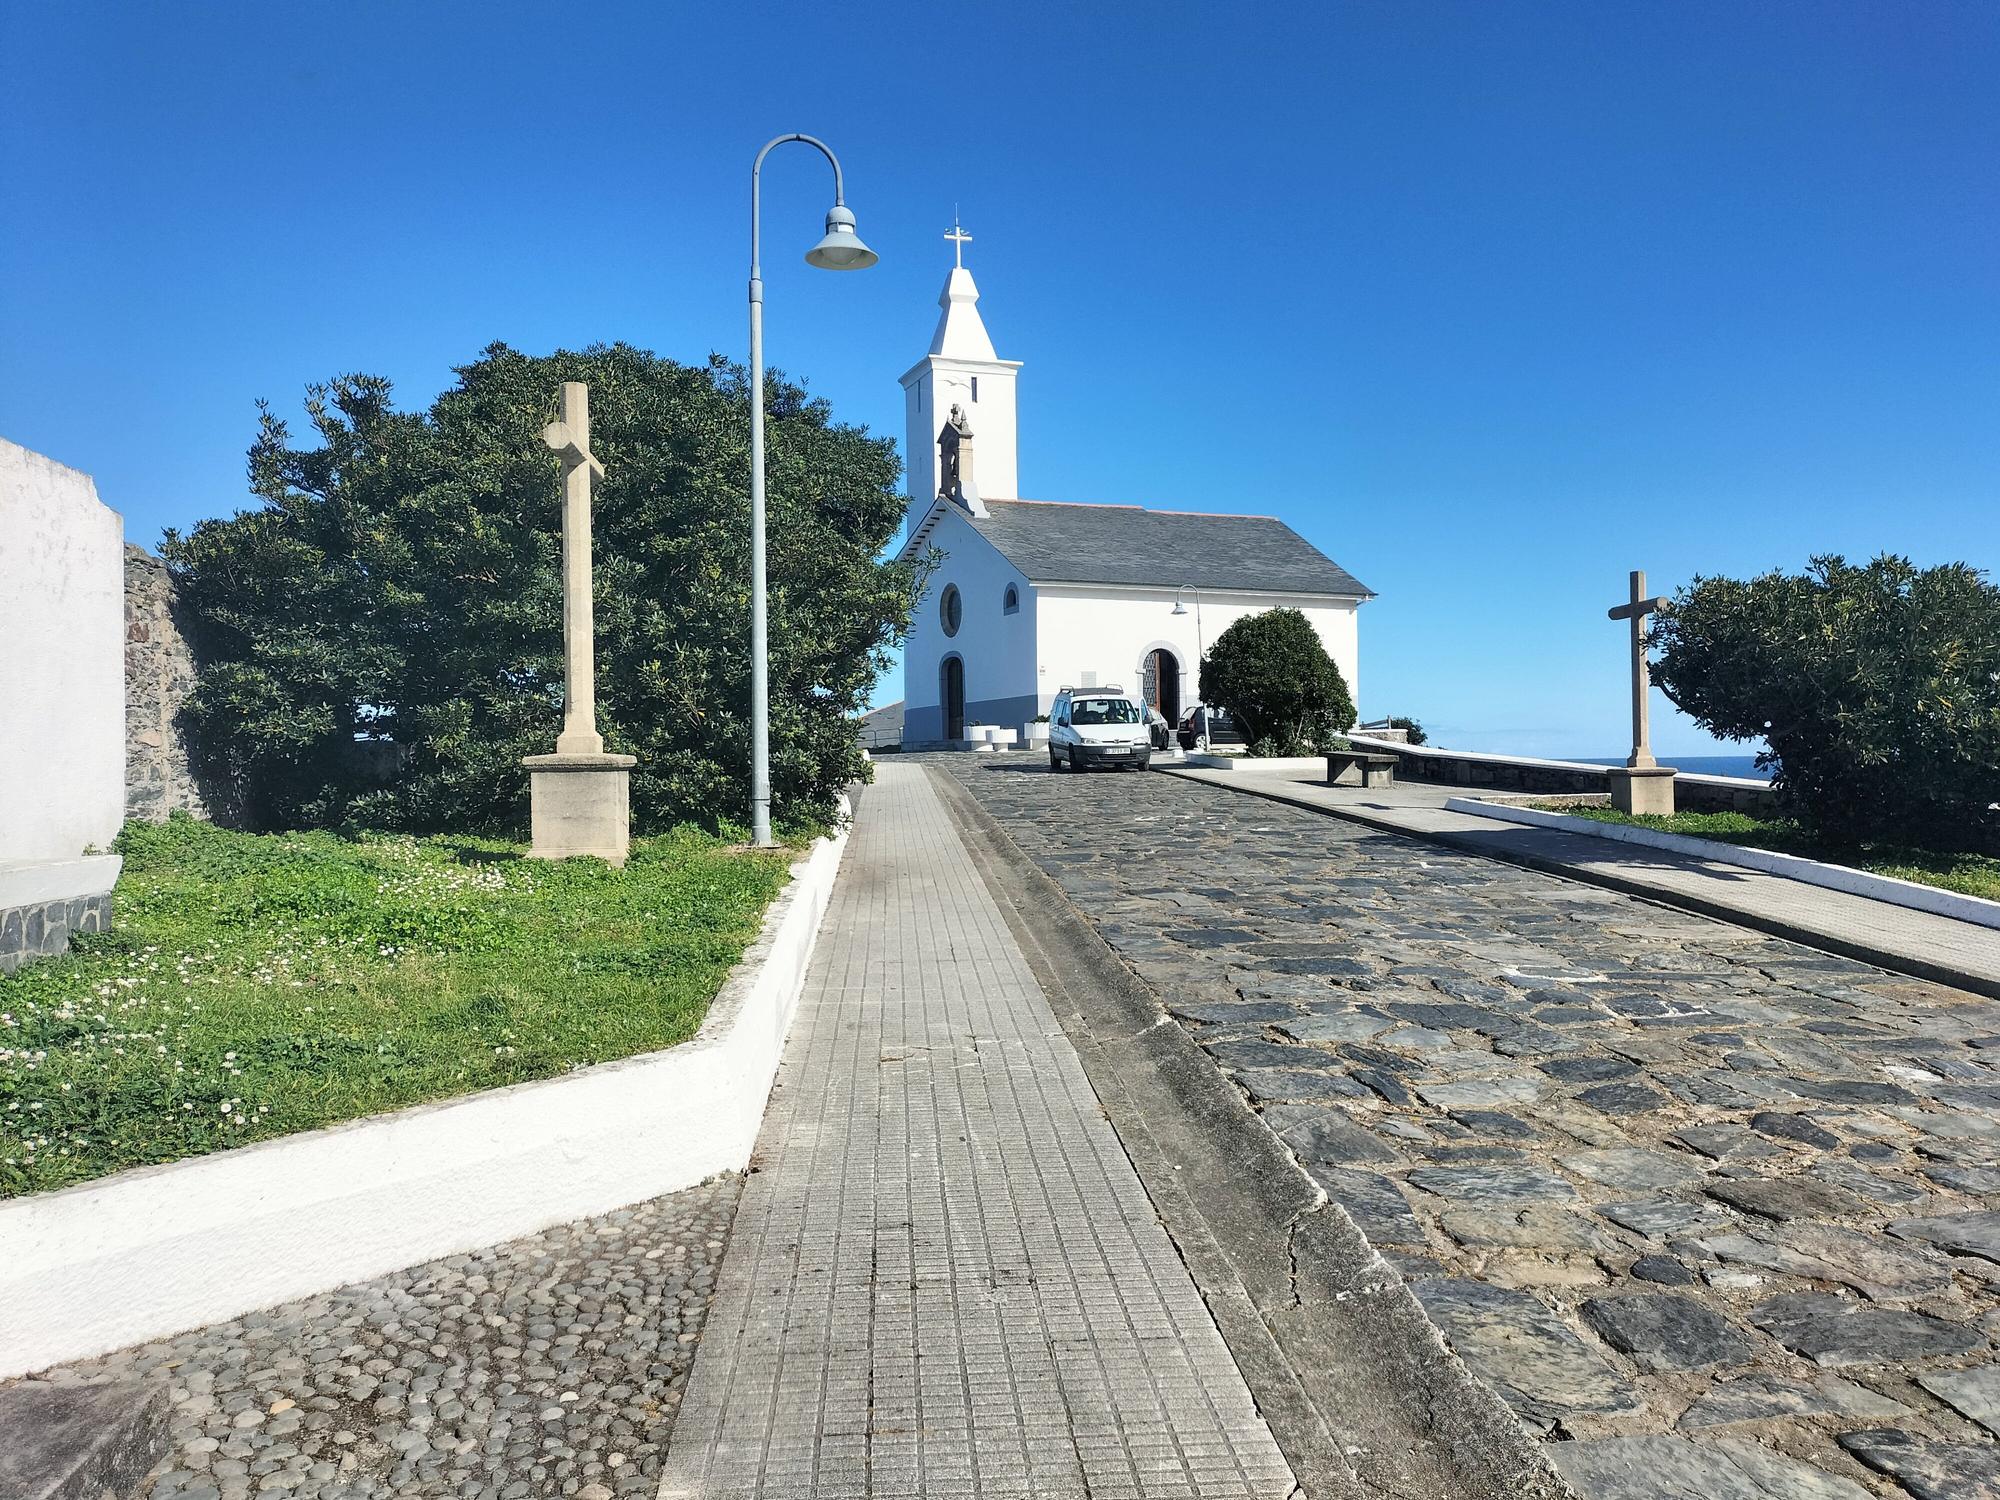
[(80, 1442)]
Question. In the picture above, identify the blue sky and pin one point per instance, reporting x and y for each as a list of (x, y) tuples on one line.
[(1491, 301)]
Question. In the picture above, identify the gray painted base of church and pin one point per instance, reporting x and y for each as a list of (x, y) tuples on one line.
[(923, 726), (43, 929)]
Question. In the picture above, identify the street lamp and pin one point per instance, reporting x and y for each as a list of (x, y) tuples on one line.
[(1181, 609), (1199, 649), (840, 250)]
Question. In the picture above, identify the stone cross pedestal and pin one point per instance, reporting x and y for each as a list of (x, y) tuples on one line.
[(582, 798), (1642, 784)]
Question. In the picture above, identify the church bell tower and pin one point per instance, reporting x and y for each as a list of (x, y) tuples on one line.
[(961, 370)]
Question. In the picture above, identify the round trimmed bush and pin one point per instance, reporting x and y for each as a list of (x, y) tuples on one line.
[(1274, 676)]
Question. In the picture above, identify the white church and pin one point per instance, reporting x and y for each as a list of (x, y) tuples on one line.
[(1032, 596)]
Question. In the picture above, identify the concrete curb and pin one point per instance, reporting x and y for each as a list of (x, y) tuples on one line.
[(1356, 1382), (1906, 893), (1894, 961), (80, 1442), (159, 1250)]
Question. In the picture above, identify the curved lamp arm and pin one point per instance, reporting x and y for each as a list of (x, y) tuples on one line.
[(757, 194)]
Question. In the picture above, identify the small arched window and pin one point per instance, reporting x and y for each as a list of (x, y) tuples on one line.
[(1012, 606)]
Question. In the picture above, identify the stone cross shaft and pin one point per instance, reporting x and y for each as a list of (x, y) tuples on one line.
[(570, 438), (1636, 611)]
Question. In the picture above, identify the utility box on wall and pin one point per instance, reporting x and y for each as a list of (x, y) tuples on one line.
[(62, 703)]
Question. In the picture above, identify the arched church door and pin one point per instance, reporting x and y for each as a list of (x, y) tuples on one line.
[(952, 696), (1163, 684)]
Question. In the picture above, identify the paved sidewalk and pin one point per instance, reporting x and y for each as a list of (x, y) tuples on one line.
[(945, 1278), (1934, 947), (548, 1366)]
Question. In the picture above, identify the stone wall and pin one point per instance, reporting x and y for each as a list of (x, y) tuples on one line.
[(159, 675), (43, 929)]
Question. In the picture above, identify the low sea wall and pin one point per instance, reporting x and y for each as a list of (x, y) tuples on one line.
[(1524, 773)]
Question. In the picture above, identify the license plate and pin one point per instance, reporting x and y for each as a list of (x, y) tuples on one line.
[(1116, 750)]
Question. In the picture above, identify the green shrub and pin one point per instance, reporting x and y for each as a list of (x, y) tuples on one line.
[(1274, 677), (1876, 691), (381, 640), (1416, 730)]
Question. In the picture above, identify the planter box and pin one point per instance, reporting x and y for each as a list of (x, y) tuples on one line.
[(1270, 765)]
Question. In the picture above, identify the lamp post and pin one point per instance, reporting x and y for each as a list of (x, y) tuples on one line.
[(1201, 651), (840, 250)]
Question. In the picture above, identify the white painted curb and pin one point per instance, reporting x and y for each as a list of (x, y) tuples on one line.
[(32, 882), (1270, 765), (1905, 893), (158, 1250)]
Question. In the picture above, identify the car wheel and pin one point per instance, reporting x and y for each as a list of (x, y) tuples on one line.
[(1075, 761), (1055, 761)]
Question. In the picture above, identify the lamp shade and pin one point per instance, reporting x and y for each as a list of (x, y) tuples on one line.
[(841, 249)]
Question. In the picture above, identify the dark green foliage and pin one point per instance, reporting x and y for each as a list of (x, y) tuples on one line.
[(382, 640), (1416, 730), (1273, 675), (1876, 690)]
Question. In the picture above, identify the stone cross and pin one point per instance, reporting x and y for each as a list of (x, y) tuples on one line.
[(1636, 611), (570, 438)]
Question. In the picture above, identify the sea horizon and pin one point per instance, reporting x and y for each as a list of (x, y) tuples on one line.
[(1696, 765)]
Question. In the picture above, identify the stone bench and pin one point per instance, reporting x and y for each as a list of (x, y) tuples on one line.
[(1360, 768)]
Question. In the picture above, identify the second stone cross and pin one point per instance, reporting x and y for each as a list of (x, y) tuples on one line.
[(581, 797)]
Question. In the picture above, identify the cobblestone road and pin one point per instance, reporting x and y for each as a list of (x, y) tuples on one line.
[(549, 1366), (1720, 1211)]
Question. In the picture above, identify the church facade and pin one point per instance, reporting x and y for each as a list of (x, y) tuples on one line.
[(1030, 596)]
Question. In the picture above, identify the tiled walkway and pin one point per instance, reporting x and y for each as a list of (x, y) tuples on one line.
[(945, 1278)]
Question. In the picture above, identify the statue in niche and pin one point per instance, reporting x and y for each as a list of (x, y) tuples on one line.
[(957, 429)]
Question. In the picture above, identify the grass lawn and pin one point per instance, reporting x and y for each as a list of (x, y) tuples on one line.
[(257, 985), (1968, 874)]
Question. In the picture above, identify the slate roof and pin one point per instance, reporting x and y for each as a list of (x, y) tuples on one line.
[(1058, 543)]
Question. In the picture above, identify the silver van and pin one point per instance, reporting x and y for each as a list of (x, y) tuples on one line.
[(1098, 727)]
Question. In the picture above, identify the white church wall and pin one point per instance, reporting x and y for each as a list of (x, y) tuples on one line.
[(998, 649), (62, 661), (1108, 631)]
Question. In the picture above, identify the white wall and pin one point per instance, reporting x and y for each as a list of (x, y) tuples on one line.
[(929, 391), (1108, 630), (62, 660), (998, 648)]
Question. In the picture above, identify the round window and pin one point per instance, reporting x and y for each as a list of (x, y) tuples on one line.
[(951, 609)]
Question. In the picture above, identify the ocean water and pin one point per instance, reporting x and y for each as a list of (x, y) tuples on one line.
[(1695, 765)]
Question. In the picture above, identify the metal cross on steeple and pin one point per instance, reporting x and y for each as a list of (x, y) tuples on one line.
[(960, 239)]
